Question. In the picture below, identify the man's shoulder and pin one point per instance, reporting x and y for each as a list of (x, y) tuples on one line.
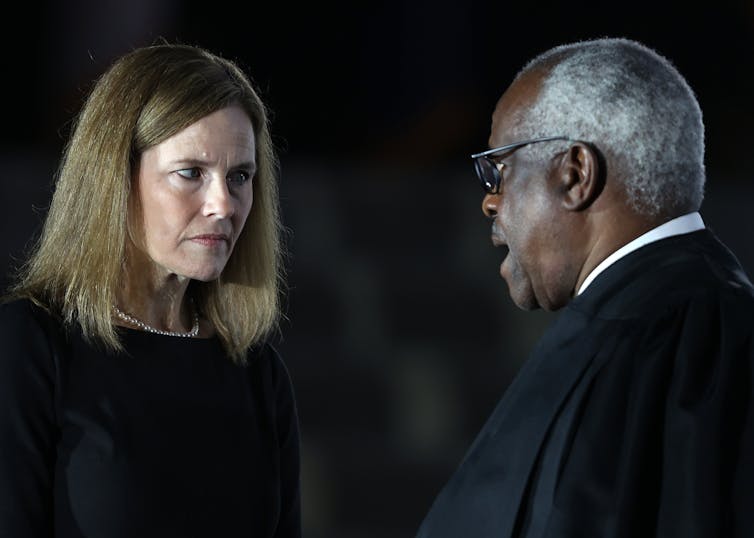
[(669, 274)]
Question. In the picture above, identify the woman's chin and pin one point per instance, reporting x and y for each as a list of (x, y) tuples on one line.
[(207, 274), (208, 277)]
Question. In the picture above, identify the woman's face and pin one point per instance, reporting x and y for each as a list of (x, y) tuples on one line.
[(195, 192)]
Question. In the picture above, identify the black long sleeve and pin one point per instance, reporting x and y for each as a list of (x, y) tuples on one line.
[(28, 431), (168, 439)]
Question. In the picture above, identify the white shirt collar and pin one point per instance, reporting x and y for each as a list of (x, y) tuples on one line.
[(690, 222)]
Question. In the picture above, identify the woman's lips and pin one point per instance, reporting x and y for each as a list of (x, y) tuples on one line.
[(210, 240)]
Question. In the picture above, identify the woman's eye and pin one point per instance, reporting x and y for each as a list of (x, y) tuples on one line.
[(190, 173), (239, 177)]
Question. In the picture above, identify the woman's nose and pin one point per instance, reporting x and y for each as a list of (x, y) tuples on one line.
[(218, 201)]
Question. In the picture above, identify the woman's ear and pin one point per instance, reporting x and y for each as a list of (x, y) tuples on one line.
[(581, 173)]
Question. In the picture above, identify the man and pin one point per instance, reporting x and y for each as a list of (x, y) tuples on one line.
[(633, 415)]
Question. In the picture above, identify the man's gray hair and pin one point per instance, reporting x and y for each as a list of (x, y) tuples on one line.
[(635, 108)]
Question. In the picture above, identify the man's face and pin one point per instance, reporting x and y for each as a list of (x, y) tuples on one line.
[(526, 214)]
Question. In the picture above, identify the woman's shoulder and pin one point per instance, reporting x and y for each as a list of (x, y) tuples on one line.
[(24, 315), (29, 342), (265, 356)]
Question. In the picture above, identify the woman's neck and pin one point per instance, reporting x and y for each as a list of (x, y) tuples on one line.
[(156, 298)]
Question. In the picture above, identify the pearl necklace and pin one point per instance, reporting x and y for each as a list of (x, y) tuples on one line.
[(191, 334)]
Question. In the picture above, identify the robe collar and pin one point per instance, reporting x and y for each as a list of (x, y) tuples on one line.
[(690, 222)]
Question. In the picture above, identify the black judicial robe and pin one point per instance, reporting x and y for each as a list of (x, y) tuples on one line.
[(633, 417)]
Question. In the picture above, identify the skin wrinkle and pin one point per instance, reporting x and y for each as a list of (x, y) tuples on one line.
[(173, 209), (563, 208), (526, 210), (145, 97), (557, 216), (637, 162)]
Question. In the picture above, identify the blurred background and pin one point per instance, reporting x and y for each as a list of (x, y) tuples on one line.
[(399, 334)]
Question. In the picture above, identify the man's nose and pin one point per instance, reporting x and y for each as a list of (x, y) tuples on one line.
[(490, 204)]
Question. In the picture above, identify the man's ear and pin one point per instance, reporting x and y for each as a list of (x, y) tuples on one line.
[(581, 174)]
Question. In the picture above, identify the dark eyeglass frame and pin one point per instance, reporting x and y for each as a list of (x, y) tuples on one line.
[(487, 169)]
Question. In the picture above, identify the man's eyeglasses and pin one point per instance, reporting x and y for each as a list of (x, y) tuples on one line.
[(487, 169)]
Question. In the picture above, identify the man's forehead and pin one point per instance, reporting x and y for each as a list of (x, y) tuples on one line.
[(516, 100)]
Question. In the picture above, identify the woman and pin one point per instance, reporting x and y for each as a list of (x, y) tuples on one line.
[(137, 394)]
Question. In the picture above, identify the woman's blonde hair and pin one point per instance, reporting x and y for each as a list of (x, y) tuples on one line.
[(145, 97)]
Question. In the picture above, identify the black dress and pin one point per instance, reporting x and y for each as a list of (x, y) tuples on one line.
[(170, 439), (634, 416)]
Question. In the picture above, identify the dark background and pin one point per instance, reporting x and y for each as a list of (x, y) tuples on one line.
[(399, 334)]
